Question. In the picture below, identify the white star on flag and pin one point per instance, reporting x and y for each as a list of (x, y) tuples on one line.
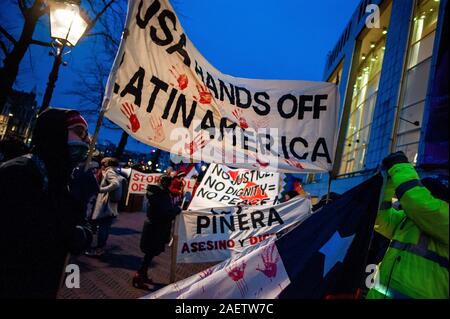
[(335, 250)]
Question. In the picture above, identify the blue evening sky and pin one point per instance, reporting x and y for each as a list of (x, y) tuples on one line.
[(283, 39)]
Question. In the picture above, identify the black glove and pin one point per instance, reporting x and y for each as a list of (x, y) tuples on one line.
[(394, 158)]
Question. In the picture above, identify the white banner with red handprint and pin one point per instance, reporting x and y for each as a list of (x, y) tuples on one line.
[(259, 273), (223, 187), (164, 93), (216, 234)]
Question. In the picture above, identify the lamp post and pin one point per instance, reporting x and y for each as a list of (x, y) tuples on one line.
[(67, 25)]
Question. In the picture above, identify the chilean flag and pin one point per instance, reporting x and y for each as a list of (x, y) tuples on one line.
[(323, 257)]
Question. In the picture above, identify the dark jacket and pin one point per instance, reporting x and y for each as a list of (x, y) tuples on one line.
[(84, 188), (161, 212), (40, 221)]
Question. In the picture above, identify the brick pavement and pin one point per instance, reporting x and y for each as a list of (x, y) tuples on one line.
[(110, 276)]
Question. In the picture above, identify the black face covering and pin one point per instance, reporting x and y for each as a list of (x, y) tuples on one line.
[(49, 143), (78, 151)]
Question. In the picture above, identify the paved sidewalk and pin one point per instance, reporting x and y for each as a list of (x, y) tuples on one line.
[(110, 276)]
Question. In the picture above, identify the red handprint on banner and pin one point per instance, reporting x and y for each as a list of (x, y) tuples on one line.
[(158, 130), (270, 261), (205, 95), (128, 110), (196, 144), (182, 78), (236, 274), (237, 113), (259, 163), (294, 163)]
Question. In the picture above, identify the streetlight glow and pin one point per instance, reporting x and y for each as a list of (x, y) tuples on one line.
[(66, 27), (66, 22)]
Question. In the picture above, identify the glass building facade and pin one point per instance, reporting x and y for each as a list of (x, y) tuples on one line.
[(385, 74), (415, 82), (364, 96)]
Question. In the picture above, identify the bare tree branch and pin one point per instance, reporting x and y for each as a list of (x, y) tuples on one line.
[(3, 47), (42, 43), (93, 22), (41, 7), (90, 85), (23, 8), (7, 35), (92, 6)]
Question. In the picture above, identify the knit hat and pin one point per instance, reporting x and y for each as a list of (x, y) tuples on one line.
[(75, 119)]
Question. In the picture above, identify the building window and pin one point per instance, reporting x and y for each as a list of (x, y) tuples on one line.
[(365, 88), (337, 74), (415, 81)]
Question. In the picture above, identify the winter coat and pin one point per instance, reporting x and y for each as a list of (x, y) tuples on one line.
[(104, 207), (176, 188), (416, 262), (160, 213), (40, 221), (84, 188)]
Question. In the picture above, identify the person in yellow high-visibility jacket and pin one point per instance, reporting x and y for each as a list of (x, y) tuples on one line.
[(416, 262)]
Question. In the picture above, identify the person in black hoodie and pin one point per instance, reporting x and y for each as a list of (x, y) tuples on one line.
[(41, 222), (157, 229)]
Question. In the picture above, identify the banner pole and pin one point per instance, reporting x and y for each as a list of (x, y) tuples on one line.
[(94, 137), (128, 197), (173, 259), (329, 187)]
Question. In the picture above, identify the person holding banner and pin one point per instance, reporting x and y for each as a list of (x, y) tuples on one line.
[(176, 187), (157, 229), (42, 222)]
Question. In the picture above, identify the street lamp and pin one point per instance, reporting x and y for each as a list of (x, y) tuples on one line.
[(67, 26)]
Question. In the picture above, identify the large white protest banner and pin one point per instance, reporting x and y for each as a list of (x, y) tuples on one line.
[(216, 234), (164, 93), (258, 273), (222, 186)]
